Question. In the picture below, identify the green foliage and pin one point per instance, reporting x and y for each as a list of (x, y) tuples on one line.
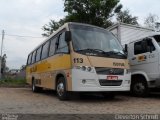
[(51, 27), (4, 68), (11, 82), (126, 17), (95, 12), (23, 67), (151, 21)]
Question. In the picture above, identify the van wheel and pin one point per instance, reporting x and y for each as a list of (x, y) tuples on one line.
[(61, 89), (35, 88), (139, 88)]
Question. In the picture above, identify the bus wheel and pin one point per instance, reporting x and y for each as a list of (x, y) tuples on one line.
[(35, 88), (61, 89), (139, 88)]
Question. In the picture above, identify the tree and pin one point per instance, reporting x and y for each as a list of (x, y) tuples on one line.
[(7, 69), (51, 27), (3, 64), (126, 17), (23, 67), (95, 12), (151, 21)]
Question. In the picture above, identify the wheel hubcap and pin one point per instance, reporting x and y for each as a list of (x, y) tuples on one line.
[(139, 87), (60, 89)]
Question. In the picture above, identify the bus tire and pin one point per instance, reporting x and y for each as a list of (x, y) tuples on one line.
[(61, 89), (139, 87), (35, 88)]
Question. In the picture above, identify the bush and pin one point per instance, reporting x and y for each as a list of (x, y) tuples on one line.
[(12, 82)]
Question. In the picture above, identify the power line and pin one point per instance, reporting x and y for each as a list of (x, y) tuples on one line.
[(21, 36)]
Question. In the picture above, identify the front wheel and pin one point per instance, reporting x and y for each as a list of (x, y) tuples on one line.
[(35, 88), (61, 89), (139, 88)]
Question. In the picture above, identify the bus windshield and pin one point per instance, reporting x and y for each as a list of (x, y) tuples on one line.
[(93, 39)]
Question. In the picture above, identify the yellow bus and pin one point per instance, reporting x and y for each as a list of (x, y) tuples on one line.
[(79, 58)]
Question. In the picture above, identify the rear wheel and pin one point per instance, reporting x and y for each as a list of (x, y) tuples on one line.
[(139, 88), (35, 88), (61, 89)]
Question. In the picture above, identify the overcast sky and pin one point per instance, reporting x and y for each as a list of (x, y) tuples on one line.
[(26, 18)]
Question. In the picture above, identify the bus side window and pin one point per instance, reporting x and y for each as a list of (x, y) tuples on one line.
[(62, 44), (29, 59), (34, 57), (52, 46), (45, 50), (38, 55)]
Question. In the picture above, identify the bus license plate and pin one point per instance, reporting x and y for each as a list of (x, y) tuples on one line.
[(112, 77)]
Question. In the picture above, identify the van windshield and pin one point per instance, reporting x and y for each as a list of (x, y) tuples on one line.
[(94, 40)]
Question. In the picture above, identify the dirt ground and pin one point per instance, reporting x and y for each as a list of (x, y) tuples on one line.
[(22, 100)]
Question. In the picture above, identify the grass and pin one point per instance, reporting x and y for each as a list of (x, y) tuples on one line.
[(12, 82)]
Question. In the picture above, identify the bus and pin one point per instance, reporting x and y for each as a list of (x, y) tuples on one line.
[(79, 58)]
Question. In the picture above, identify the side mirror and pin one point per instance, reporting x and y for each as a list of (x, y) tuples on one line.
[(68, 36), (125, 48)]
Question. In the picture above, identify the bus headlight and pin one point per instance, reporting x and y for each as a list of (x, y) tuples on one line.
[(89, 69), (85, 68)]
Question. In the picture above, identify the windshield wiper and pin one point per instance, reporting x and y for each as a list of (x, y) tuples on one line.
[(89, 49), (114, 52), (99, 50)]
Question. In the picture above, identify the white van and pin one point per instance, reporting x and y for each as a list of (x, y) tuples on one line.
[(143, 47)]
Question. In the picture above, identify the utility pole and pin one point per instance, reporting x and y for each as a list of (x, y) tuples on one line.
[(3, 33)]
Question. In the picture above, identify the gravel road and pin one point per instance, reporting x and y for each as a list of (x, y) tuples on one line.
[(22, 100)]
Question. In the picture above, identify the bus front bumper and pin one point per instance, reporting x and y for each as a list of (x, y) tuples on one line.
[(91, 82)]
